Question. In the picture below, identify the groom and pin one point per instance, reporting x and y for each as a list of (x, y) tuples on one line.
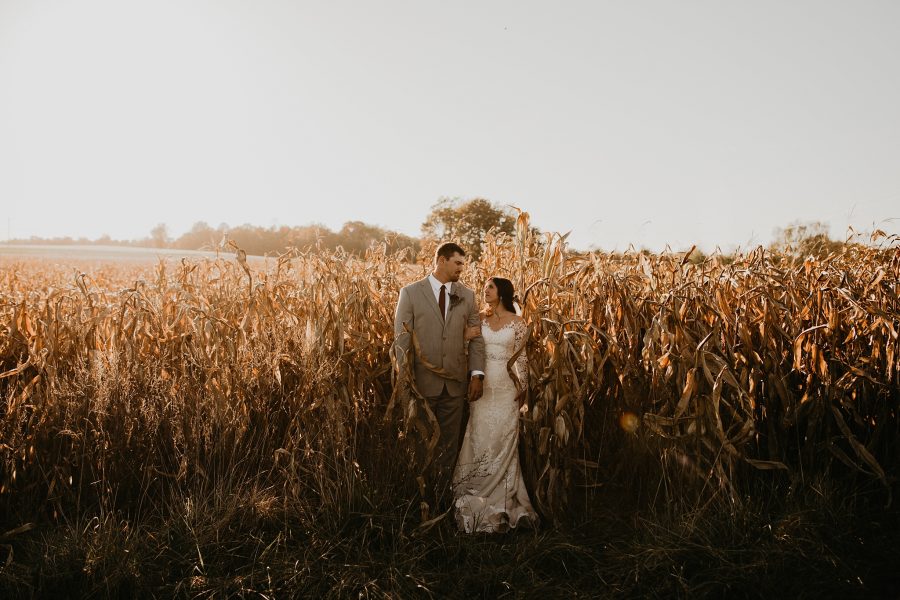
[(437, 310)]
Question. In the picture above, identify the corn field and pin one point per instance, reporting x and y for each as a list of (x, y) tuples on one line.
[(125, 386)]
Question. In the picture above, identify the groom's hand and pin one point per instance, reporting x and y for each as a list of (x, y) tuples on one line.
[(476, 389)]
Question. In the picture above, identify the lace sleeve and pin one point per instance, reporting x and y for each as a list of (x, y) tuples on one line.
[(522, 360)]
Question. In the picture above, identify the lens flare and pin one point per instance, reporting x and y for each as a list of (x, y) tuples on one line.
[(629, 421)]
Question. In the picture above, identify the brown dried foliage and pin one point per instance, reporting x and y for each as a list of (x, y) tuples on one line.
[(150, 376)]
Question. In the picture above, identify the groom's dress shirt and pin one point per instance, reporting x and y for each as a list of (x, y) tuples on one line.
[(436, 288)]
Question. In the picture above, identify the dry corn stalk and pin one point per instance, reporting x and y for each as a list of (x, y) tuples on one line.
[(761, 362)]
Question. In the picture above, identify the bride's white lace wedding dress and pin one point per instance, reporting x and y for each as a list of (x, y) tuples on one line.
[(488, 490)]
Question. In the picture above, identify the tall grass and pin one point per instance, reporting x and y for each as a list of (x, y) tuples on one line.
[(225, 427)]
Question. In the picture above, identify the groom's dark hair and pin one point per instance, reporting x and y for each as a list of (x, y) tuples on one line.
[(447, 250)]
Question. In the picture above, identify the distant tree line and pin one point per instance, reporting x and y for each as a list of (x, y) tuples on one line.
[(464, 221), (354, 237)]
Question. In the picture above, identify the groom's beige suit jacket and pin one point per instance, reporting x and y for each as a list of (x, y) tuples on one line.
[(441, 342)]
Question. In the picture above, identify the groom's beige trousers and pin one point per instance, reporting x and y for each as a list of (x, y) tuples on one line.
[(449, 412), (442, 345)]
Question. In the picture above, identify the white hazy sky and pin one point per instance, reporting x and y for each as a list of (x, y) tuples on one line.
[(642, 122)]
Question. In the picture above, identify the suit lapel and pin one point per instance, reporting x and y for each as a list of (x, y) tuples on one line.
[(454, 291), (428, 294)]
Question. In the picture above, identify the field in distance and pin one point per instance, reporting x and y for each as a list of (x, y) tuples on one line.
[(90, 252)]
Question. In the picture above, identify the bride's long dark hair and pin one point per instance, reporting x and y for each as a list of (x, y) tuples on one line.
[(506, 293)]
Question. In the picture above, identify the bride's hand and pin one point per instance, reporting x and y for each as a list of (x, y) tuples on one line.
[(520, 400), (473, 332)]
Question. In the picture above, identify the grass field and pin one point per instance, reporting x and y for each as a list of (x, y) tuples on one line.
[(214, 427)]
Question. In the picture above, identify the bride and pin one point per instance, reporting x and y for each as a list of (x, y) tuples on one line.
[(488, 491)]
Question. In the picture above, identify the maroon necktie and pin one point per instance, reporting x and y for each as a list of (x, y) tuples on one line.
[(442, 300)]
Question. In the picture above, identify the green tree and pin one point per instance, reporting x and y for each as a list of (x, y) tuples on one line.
[(467, 222)]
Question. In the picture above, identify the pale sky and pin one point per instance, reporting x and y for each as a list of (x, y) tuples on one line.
[(638, 122)]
